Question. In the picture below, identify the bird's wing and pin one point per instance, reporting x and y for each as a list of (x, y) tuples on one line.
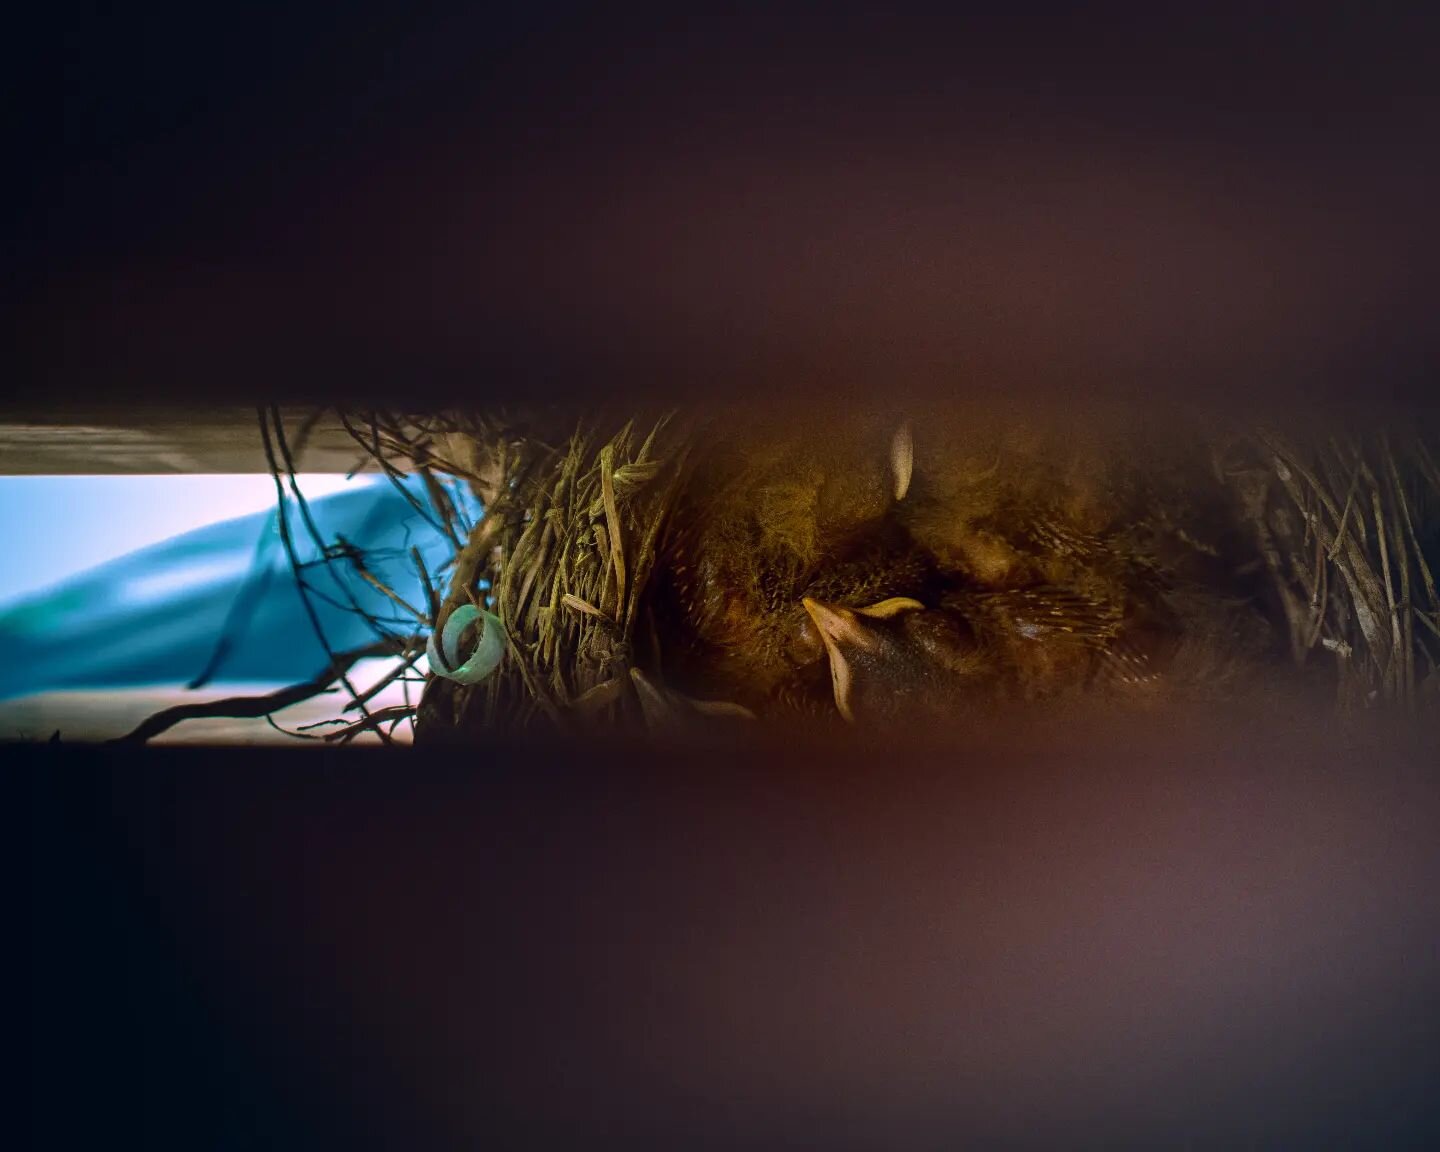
[(1047, 613)]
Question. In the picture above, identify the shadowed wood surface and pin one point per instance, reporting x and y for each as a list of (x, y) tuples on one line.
[(109, 441)]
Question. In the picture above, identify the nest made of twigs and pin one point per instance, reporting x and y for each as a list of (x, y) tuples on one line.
[(1348, 530), (1345, 533), (562, 557)]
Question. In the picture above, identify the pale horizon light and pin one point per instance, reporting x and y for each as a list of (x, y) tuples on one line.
[(57, 527)]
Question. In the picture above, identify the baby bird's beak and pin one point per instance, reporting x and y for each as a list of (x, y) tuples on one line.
[(846, 632), (839, 627), (839, 630)]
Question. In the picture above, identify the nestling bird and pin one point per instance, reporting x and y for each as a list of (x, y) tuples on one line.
[(886, 584), (764, 525), (896, 659), (899, 659)]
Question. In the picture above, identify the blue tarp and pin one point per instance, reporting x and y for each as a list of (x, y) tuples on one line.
[(221, 603)]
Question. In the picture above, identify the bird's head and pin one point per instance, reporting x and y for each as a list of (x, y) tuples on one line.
[(897, 658)]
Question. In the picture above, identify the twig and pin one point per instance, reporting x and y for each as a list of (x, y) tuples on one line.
[(432, 599), (298, 734), (1322, 590), (1355, 569), (310, 526), (1334, 550), (375, 582), (1391, 671), (413, 651), (253, 707), (442, 503), (289, 544), (1407, 650), (612, 520), (392, 473), (394, 715), (1410, 529)]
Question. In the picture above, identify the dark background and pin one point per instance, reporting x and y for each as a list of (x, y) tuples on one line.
[(1222, 935), (428, 203), (1182, 933)]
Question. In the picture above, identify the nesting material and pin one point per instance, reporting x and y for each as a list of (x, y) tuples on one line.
[(668, 559)]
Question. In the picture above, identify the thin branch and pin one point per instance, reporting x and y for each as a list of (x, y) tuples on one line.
[(413, 651), (394, 716), (375, 582), (432, 598), (1392, 670), (304, 506), (253, 707), (394, 475), (289, 544), (1425, 573)]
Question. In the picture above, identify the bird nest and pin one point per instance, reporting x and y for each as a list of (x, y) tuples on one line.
[(1348, 530), (561, 559), (1328, 544), (1332, 542)]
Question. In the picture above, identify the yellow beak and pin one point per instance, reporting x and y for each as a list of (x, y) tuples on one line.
[(838, 629)]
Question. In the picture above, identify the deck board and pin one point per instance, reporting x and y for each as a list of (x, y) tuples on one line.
[(114, 441)]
